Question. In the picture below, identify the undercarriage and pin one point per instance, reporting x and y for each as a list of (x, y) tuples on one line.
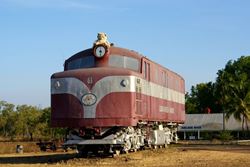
[(116, 140)]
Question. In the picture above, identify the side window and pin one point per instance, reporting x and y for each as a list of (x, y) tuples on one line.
[(166, 82), (163, 78), (178, 84), (156, 75), (146, 70), (170, 81), (124, 62)]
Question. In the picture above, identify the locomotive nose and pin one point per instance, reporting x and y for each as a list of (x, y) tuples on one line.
[(90, 94), (75, 88), (66, 99)]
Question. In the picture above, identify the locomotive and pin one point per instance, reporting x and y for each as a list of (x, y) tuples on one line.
[(115, 100)]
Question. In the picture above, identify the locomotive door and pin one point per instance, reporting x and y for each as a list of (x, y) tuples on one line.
[(138, 87), (147, 89)]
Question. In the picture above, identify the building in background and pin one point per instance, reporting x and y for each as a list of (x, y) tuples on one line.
[(205, 126)]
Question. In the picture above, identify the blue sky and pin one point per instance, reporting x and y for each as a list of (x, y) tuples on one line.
[(194, 38)]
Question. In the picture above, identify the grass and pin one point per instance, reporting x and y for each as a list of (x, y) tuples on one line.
[(10, 147)]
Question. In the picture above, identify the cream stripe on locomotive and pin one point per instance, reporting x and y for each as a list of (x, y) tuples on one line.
[(109, 85), (158, 91)]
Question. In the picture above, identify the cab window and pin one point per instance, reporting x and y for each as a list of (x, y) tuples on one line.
[(83, 62)]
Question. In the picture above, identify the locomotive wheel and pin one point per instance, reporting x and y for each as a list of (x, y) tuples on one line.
[(142, 148), (83, 154), (82, 151)]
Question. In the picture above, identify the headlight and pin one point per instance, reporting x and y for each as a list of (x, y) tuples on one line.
[(57, 84), (88, 99), (124, 82)]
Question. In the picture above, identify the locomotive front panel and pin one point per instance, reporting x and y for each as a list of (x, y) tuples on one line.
[(93, 97)]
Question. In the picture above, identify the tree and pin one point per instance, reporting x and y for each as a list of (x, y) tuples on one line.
[(202, 99), (28, 119), (7, 117), (233, 87), (191, 104), (44, 124)]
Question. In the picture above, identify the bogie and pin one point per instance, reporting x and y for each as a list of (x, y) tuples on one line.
[(118, 140)]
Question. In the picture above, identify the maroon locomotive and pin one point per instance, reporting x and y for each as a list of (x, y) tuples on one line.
[(113, 99)]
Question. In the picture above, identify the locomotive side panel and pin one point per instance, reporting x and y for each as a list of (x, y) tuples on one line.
[(163, 94)]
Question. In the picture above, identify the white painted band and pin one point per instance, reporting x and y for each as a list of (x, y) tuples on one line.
[(109, 85)]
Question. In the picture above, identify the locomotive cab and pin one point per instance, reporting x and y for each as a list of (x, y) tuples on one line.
[(93, 91)]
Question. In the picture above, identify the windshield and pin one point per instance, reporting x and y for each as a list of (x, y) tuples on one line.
[(83, 62), (118, 61)]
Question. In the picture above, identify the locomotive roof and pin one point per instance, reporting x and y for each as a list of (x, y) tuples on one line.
[(113, 50), (120, 51)]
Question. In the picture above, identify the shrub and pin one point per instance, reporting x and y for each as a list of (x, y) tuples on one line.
[(225, 136)]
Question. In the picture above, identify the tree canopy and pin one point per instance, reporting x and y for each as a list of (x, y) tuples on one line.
[(202, 99), (233, 87), (26, 122)]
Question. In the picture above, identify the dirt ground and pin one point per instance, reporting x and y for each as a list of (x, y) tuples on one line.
[(179, 155)]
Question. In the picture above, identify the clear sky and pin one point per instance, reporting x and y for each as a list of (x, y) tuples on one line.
[(194, 38)]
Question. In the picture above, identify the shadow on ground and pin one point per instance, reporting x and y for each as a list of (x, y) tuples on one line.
[(37, 159)]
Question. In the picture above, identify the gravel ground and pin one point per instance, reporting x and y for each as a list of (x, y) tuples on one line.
[(179, 155)]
